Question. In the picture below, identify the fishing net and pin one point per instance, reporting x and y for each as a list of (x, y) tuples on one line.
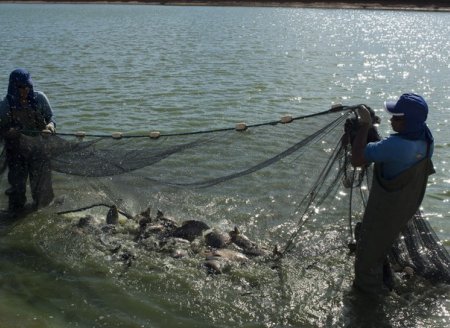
[(275, 177)]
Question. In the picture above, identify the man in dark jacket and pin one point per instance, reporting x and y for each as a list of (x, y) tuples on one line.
[(24, 114)]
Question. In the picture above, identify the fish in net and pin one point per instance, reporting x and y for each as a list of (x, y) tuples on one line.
[(306, 159)]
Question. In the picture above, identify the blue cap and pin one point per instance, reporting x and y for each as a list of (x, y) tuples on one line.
[(410, 105)]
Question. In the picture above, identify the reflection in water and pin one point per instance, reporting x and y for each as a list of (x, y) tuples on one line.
[(162, 69)]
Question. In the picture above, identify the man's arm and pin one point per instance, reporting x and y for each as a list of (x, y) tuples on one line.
[(360, 141), (4, 119), (47, 111)]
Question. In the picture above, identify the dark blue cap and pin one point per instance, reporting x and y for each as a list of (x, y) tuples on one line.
[(410, 105), (20, 77)]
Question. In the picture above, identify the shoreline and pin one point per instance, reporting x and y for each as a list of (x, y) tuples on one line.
[(439, 5)]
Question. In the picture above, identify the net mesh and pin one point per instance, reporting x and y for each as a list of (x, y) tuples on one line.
[(295, 174)]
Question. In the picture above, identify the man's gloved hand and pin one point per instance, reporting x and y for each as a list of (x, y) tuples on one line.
[(49, 128), (364, 115)]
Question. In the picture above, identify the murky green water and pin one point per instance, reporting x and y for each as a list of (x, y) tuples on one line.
[(135, 68)]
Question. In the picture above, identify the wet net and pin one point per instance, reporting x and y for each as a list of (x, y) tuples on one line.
[(275, 178)]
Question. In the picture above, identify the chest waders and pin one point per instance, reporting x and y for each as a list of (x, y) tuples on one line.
[(25, 160), (391, 204)]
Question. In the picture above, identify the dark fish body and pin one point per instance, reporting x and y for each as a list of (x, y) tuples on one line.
[(190, 230), (240, 240), (146, 213), (85, 221), (113, 215), (217, 239), (247, 246), (216, 266), (169, 224)]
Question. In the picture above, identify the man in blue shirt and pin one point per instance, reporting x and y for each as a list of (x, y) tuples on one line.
[(402, 164), (24, 113)]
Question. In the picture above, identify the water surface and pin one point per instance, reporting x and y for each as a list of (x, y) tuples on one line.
[(136, 68)]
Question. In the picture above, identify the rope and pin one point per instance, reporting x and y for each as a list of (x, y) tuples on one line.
[(350, 210), (335, 109), (81, 209), (308, 212), (311, 138)]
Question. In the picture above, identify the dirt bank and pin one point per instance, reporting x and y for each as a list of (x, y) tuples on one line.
[(436, 5)]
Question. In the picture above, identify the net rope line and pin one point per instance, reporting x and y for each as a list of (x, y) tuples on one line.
[(419, 248), (239, 126), (317, 136), (312, 193), (310, 198), (340, 150), (309, 211)]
